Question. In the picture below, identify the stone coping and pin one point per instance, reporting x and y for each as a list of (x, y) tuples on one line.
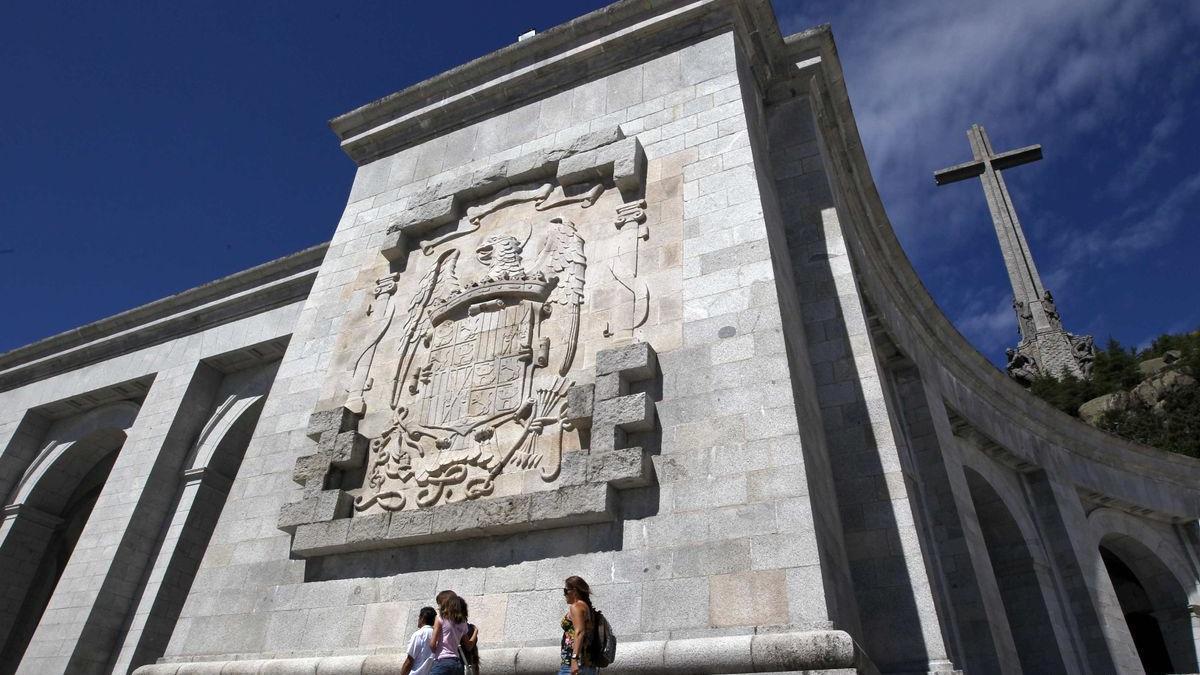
[(973, 387), (823, 650), (272, 284), (593, 45)]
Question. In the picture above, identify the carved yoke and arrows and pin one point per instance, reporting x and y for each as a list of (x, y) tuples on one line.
[(1045, 347)]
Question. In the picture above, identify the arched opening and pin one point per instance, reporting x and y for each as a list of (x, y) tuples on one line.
[(54, 560), (1017, 579), (198, 506), (1154, 604), (46, 513)]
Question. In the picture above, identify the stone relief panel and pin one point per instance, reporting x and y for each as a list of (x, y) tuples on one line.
[(465, 396), (475, 392)]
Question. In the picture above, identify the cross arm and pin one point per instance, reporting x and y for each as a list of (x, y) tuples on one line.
[(1025, 155), (1004, 160), (958, 172)]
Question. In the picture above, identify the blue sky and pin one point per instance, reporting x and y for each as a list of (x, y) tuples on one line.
[(147, 149)]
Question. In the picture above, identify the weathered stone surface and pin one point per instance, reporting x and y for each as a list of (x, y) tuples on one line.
[(813, 650), (1092, 410), (621, 468), (634, 362), (310, 471), (1154, 366), (395, 247), (1152, 390), (496, 515), (323, 506), (633, 412), (579, 405), (576, 504), (321, 538), (348, 450), (410, 525), (426, 216), (609, 387), (727, 599), (370, 530), (624, 161), (335, 421), (809, 651)]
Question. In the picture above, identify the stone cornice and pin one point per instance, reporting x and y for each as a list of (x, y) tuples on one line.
[(257, 289), (591, 46)]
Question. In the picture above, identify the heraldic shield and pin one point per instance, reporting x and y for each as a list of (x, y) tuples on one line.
[(478, 389)]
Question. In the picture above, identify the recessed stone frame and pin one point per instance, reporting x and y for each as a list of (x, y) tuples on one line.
[(322, 521)]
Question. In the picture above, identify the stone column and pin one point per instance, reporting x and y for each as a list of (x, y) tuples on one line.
[(936, 465), (101, 580), (167, 586), (1094, 612)]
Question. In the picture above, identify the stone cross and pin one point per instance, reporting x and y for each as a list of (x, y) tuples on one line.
[(1045, 347), (1028, 292)]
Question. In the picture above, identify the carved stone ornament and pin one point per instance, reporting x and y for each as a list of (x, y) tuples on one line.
[(462, 404), (474, 391)]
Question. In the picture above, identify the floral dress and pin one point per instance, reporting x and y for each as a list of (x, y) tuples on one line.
[(568, 641)]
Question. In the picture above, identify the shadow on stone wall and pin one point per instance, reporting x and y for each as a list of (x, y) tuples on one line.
[(869, 484)]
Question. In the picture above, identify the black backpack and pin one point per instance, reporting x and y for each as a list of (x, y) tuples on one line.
[(601, 644)]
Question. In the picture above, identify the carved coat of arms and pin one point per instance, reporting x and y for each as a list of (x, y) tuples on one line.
[(477, 382)]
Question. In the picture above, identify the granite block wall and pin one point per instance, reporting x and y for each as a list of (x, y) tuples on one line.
[(723, 541)]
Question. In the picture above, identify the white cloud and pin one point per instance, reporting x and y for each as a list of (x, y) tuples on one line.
[(1097, 82), (990, 327), (1031, 71), (1154, 150), (1140, 228)]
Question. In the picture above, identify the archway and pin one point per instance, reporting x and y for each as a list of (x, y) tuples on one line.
[(1154, 604), (1017, 579), (215, 458), (47, 512), (59, 547)]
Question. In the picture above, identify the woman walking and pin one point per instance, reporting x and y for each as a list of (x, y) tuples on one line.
[(575, 625), (449, 631)]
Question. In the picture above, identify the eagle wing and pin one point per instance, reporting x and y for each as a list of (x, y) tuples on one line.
[(562, 259)]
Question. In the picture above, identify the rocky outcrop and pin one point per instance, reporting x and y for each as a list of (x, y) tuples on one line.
[(1151, 367), (1092, 410), (1163, 375)]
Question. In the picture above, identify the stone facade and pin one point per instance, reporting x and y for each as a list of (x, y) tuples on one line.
[(618, 301)]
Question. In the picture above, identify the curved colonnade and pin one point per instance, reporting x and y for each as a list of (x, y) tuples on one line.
[(1088, 537)]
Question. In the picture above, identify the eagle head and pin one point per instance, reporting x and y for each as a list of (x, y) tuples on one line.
[(502, 254)]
